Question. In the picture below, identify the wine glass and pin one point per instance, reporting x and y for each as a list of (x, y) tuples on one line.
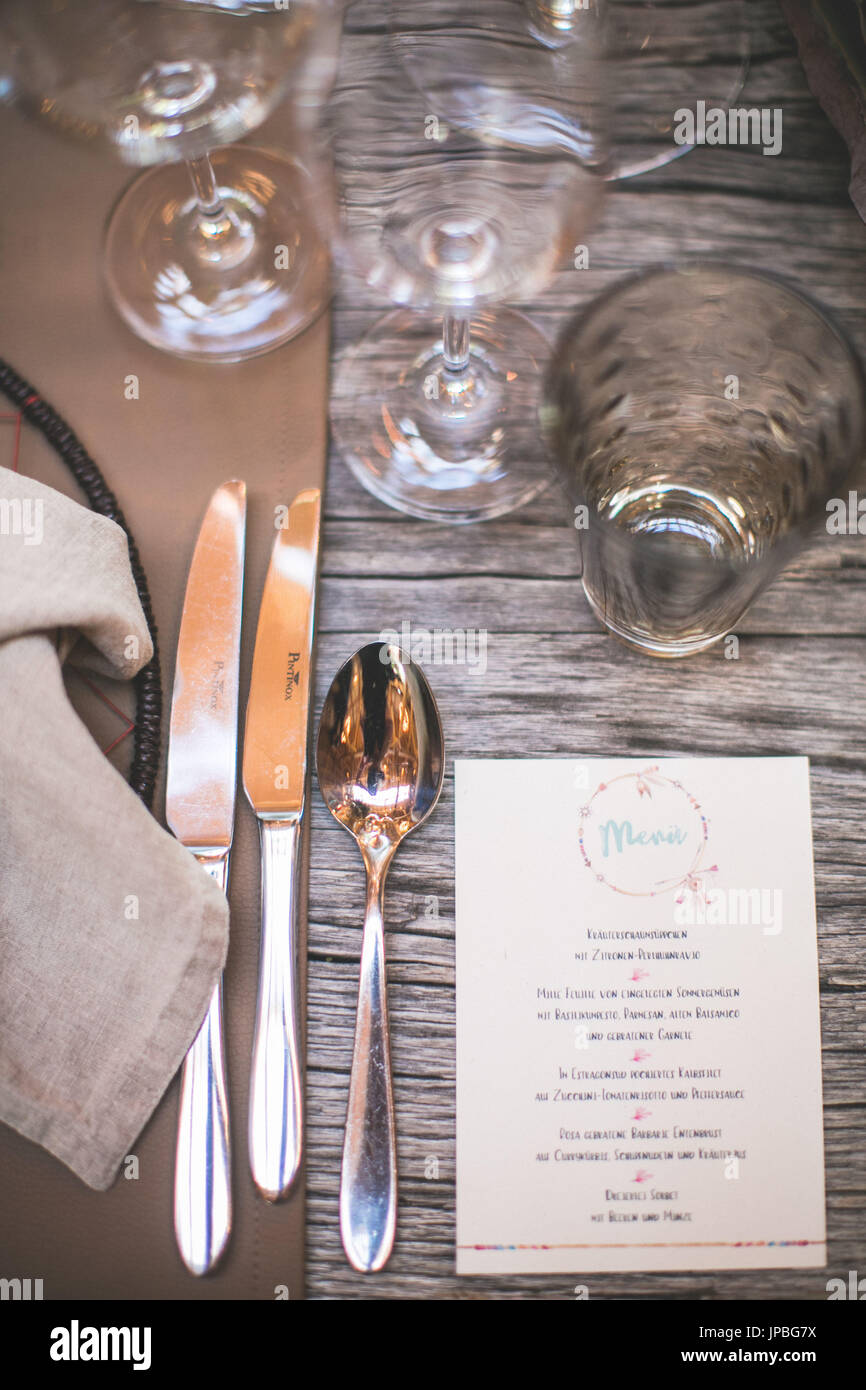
[(661, 57), (469, 154), (212, 254)]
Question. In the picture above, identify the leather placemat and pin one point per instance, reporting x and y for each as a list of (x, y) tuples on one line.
[(163, 453)]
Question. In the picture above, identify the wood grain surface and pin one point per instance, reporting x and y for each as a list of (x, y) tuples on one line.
[(557, 686)]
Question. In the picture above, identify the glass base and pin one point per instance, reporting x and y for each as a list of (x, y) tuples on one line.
[(445, 446), (230, 288), (667, 648)]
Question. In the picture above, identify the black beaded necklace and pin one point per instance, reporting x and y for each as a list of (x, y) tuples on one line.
[(148, 682)]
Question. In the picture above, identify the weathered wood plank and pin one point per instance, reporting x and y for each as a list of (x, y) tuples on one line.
[(518, 548), (823, 605), (528, 575), (571, 694)]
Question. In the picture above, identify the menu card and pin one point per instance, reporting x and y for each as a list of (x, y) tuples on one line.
[(638, 1030)]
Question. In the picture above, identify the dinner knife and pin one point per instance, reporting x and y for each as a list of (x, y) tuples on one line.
[(200, 809), (275, 774)]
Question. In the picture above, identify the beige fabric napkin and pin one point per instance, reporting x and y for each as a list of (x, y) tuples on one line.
[(111, 935)]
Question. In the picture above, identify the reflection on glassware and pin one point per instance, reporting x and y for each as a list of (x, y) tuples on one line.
[(219, 258), (661, 56), (453, 201), (702, 418)]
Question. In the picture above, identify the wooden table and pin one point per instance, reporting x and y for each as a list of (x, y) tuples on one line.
[(557, 686)]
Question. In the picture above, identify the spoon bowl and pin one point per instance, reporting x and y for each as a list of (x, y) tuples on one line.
[(380, 751), (380, 757)]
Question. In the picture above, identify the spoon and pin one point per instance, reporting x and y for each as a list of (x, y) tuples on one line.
[(380, 759)]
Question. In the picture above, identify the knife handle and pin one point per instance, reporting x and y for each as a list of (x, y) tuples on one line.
[(276, 1105), (202, 1174)]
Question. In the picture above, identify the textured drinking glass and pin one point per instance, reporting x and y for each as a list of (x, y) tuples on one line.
[(702, 418), (468, 147), (215, 253)]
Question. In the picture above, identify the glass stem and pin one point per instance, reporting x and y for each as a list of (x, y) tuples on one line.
[(220, 238), (214, 223), (455, 343)]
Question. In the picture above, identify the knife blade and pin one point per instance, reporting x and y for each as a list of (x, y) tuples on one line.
[(199, 808), (275, 773)]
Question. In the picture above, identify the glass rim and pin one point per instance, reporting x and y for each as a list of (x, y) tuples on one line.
[(659, 269), (855, 457)]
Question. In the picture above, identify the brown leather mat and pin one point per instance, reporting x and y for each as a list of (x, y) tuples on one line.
[(191, 427)]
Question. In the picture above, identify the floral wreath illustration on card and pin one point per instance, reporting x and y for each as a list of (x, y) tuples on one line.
[(652, 836)]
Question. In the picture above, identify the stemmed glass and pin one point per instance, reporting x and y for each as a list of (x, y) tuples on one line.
[(214, 254), (469, 154), (663, 56)]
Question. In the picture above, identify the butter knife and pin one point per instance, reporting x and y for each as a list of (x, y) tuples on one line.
[(275, 774), (200, 809)]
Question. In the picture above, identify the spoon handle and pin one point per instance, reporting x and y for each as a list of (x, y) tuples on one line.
[(368, 1187)]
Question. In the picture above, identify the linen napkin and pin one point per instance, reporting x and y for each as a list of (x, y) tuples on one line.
[(112, 937)]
